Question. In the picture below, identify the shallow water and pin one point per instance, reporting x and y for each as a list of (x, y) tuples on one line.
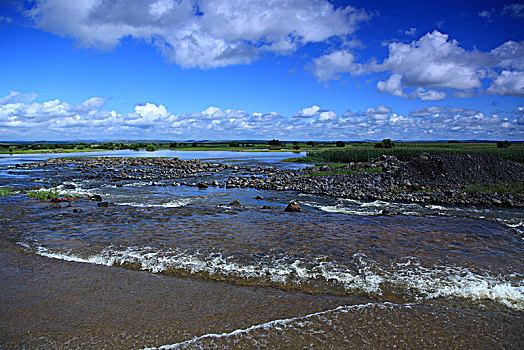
[(445, 271)]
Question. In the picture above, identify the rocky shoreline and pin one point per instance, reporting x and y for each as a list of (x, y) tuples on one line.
[(436, 179)]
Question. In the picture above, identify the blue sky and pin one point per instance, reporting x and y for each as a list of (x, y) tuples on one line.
[(238, 69)]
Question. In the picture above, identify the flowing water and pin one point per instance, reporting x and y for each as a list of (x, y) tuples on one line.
[(435, 276)]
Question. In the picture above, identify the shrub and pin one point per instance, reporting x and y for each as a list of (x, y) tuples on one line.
[(296, 147), (385, 143), (150, 147), (274, 143), (310, 143), (340, 144), (233, 144), (503, 144)]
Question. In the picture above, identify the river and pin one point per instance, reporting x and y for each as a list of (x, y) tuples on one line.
[(180, 267)]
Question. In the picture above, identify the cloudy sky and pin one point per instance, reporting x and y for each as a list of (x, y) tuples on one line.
[(261, 69)]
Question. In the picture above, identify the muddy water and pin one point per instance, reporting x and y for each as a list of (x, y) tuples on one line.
[(180, 267)]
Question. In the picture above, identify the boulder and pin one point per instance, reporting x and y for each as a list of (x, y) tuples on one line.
[(293, 207), (96, 198), (235, 204)]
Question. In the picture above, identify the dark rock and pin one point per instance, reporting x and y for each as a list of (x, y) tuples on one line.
[(103, 204), (235, 204), (293, 207), (259, 197), (202, 185), (69, 186), (266, 207), (96, 198)]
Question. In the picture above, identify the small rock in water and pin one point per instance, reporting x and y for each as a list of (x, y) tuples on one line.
[(103, 204), (69, 186), (202, 185), (235, 204), (96, 198), (259, 197), (387, 212), (293, 207)]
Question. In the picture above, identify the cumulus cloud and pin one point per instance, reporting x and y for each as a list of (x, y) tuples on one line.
[(508, 83), (327, 67), (392, 86), (425, 111), (205, 34), (90, 119), (435, 63), (308, 112)]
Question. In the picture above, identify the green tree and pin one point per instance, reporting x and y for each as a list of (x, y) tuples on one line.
[(503, 144)]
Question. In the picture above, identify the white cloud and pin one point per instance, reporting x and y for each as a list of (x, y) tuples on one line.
[(327, 67), (435, 62), (308, 112), (428, 95), (508, 83), (425, 111), (411, 31), (485, 14), (207, 34), (15, 96), (514, 10), (392, 86), (56, 119)]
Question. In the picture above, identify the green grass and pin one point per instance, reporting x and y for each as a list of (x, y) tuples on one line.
[(514, 188), (407, 151), (4, 191), (43, 194)]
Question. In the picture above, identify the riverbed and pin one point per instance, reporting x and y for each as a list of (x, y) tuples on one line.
[(178, 266)]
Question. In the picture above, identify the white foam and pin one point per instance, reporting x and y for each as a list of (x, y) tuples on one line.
[(277, 324), (410, 276), (171, 204)]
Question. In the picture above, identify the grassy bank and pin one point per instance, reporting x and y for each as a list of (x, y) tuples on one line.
[(407, 151)]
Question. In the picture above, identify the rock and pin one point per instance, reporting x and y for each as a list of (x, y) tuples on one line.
[(77, 210), (259, 197), (424, 156), (202, 185), (96, 198), (103, 204), (293, 207), (235, 204), (69, 186), (266, 207)]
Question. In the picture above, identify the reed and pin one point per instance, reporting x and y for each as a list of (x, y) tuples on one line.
[(406, 152), (4, 191), (43, 194)]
